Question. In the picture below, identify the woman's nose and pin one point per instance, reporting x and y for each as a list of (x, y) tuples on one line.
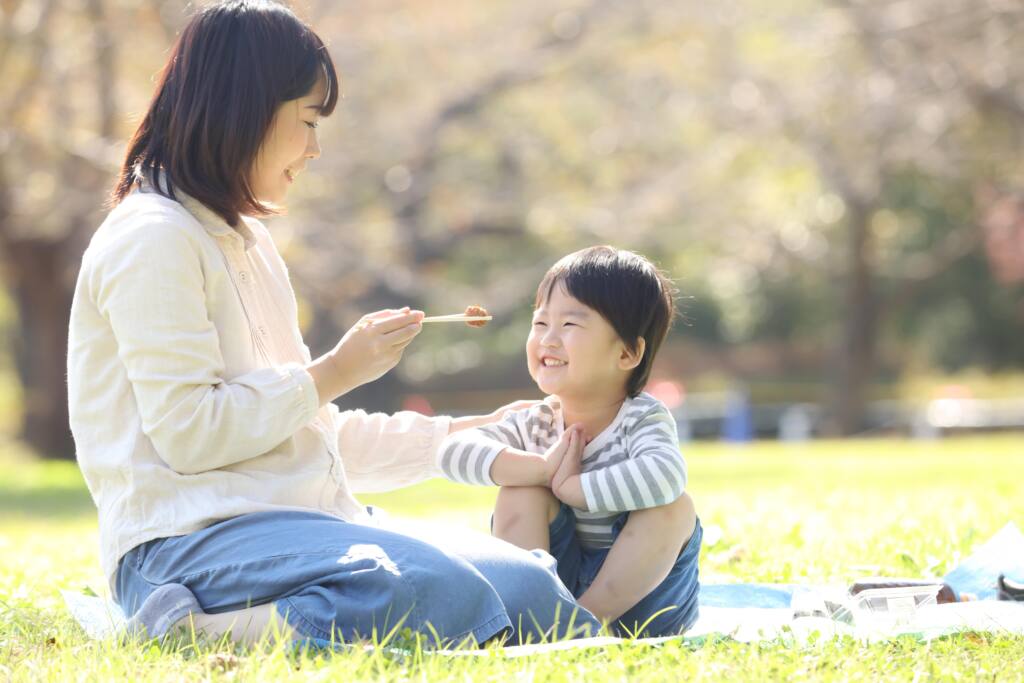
[(313, 146)]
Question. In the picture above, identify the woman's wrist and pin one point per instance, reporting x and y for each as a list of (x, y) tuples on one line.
[(330, 377)]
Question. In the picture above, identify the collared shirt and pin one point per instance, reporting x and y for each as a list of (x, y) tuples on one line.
[(188, 397)]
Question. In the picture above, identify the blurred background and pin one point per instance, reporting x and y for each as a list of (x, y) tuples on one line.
[(835, 186)]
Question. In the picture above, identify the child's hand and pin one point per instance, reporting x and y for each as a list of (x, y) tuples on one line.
[(555, 455), (565, 483)]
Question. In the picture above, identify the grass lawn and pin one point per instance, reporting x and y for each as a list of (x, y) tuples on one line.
[(822, 512)]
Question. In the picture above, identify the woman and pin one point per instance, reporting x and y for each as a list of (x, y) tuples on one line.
[(206, 432)]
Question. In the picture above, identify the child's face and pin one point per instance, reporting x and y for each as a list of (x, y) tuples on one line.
[(573, 352)]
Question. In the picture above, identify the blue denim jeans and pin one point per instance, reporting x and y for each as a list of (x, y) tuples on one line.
[(669, 609), (335, 581)]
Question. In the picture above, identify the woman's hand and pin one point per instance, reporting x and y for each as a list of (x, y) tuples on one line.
[(565, 481), (375, 344), (369, 349)]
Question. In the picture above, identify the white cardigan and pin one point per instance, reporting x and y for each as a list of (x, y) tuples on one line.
[(188, 398)]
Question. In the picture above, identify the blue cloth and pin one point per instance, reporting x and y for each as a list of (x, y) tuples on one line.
[(1001, 554), (675, 597), (336, 581), (976, 574)]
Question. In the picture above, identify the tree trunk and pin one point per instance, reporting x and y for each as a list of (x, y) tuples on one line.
[(855, 365), (35, 274)]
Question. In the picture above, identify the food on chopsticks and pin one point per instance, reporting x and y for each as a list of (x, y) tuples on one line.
[(474, 316), (479, 315)]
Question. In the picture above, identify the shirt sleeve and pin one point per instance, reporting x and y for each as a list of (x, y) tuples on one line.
[(384, 452), (467, 456), (149, 285), (653, 474)]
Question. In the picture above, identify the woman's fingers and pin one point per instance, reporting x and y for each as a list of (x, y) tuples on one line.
[(385, 313), (389, 321), (402, 336)]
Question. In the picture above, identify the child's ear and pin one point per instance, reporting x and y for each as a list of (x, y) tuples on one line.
[(630, 359)]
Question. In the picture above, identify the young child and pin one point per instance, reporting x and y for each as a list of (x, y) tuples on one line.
[(593, 474)]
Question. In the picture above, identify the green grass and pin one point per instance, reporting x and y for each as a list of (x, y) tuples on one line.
[(824, 512)]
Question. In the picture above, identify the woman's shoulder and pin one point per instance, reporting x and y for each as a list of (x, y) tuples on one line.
[(145, 220)]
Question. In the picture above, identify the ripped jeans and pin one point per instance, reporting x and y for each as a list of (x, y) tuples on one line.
[(337, 581)]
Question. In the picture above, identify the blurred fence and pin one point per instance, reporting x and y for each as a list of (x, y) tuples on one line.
[(730, 416)]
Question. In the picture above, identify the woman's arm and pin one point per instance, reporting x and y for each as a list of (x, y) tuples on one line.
[(149, 284), (459, 424), (384, 452)]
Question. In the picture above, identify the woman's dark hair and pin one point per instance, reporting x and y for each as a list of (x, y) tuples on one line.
[(627, 290), (215, 100)]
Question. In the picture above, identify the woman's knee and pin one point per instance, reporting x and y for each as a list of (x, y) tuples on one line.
[(411, 584), (539, 604)]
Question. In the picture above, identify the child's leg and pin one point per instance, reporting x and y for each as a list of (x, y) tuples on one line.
[(655, 534), (522, 515)]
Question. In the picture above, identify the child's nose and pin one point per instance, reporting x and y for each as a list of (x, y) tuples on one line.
[(550, 338)]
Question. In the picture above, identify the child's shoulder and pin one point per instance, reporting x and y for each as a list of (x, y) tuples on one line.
[(643, 408)]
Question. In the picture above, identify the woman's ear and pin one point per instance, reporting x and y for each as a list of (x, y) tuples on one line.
[(630, 359)]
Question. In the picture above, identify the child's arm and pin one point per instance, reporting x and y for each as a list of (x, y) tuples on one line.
[(496, 455), (654, 474)]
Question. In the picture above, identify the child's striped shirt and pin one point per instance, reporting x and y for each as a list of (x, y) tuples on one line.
[(633, 464)]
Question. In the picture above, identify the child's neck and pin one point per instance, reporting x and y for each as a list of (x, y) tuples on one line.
[(593, 414)]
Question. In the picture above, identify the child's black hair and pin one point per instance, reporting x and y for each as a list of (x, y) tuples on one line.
[(627, 290)]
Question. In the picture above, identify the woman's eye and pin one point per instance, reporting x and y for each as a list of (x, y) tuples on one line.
[(312, 124)]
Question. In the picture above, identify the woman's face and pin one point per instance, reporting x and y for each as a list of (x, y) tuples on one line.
[(290, 142)]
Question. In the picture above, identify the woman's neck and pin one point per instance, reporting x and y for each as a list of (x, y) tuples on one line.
[(594, 415)]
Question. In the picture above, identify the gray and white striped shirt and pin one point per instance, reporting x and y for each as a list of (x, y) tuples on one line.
[(633, 464)]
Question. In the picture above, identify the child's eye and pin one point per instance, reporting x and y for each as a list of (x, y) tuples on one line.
[(568, 324), (539, 323)]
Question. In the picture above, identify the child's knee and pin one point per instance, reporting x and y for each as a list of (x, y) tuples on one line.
[(516, 501), (678, 516)]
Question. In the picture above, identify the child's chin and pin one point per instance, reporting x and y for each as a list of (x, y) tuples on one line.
[(548, 387)]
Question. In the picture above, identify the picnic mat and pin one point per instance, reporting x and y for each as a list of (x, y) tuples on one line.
[(750, 612)]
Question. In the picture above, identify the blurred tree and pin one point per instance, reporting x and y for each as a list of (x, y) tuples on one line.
[(832, 175), (57, 74)]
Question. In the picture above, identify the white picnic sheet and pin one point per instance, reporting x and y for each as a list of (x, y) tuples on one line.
[(758, 612)]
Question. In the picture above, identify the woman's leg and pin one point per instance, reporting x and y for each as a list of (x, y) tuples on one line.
[(330, 580), (538, 604)]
